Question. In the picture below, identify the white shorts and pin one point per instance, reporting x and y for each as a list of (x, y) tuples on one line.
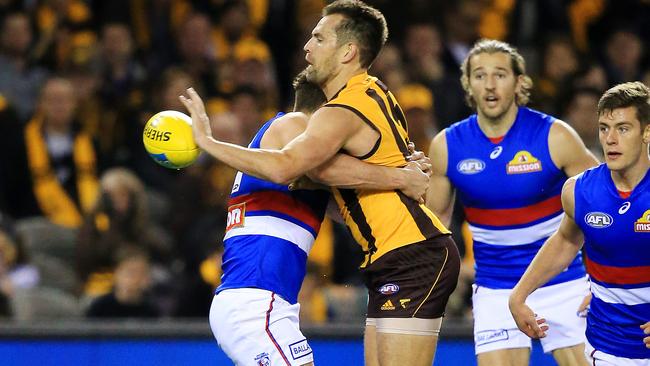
[(598, 358), (495, 329), (257, 327)]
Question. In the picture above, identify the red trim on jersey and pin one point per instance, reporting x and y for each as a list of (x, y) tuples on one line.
[(279, 202), (618, 275), (497, 140), (514, 216), (624, 195), (268, 331)]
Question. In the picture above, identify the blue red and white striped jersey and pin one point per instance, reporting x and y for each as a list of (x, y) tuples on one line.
[(617, 255), (269, 233), (511, 194)]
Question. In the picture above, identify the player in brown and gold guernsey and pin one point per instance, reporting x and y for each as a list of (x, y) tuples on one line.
[(411, 264)]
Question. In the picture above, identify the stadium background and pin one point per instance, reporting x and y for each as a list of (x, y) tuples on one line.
[(102, 68)]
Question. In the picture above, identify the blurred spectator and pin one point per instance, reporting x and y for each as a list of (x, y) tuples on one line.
[(245, 106), (417, 103), (623, 53), (164, 96), (460, 31), (197, 54), (59, 178), (20, 80), (461, 21), (65, 33), (580, 112), (389, 68), (423, 52), (590, 75), (233, 26), (129, 297), (119, 94), (120, 216), (559, 62), (313, 304), (16, 273), (252, 67)]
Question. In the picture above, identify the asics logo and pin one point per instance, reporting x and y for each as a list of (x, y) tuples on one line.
[(624, 208), (496, 152)]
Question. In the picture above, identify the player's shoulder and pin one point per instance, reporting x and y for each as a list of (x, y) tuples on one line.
[(284, 129), (592, 174), (290, 120)]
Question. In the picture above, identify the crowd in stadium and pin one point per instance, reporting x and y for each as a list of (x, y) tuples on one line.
[(126, 237)]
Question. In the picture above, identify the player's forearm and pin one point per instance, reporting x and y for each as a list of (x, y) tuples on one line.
[(344, 171), (556, 255), (271, 165)]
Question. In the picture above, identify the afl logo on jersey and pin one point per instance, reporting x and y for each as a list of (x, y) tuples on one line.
[(642, 225), (470, 166), (598, 220), (389, 289)]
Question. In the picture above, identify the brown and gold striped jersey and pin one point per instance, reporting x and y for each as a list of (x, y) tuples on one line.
[(381, 221)]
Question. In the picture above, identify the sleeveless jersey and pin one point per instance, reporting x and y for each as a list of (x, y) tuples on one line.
[(381, 221), (617, 255), (269, 233), (511, 195)]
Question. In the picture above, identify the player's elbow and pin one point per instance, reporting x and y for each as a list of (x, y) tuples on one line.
[(282, 176)]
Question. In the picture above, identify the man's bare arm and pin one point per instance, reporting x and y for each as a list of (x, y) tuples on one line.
[(440, 195), (568, 151), (327, 132), (345, 171)]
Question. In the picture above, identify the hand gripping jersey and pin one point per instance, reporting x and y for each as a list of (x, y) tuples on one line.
[(511, 194), (617, 251), (381, 221), (269, 233)]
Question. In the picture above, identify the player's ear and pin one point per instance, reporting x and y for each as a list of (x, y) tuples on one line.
[(646, 134), (350, 50)]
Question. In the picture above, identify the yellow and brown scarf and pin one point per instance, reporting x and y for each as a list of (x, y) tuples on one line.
[(52, 198)]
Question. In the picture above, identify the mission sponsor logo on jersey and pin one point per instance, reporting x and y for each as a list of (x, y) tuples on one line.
[(598, 220), (470, 166), (642, 225), (523, 162), (236, 215)]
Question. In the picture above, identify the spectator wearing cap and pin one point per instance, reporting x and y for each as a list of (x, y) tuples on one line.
[(417, 102)]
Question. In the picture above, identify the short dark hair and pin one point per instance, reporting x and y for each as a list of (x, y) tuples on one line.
[(363, 24), (309, 96), (632, 94)]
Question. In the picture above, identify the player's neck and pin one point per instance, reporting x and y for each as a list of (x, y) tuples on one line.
[(499, 126), (340, 79), (627, 179)]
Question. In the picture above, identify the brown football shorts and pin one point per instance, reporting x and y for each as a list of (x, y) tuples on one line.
[(414, 280)]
